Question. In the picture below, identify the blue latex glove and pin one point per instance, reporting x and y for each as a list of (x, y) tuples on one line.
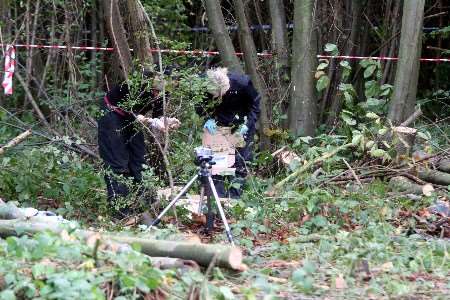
[(211, 126), (243, 130)]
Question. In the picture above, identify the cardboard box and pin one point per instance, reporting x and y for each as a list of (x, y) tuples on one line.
[(223, 143)]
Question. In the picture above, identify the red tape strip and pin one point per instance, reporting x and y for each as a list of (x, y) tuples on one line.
[(212, 53)]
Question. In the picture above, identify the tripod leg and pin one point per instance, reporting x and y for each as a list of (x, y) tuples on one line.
[(202, 196), (209, 215), (219, 207), (177, 197)]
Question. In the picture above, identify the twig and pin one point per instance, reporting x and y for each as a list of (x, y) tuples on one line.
[(412, 118), (353, 172)]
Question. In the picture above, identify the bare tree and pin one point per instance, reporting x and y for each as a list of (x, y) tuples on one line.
[(303, 104), (407, 74)]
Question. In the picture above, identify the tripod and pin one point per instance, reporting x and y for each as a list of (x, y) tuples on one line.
[(206, 187)]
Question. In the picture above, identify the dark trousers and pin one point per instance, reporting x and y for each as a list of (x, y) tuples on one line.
[(122, 148), (236, 183)]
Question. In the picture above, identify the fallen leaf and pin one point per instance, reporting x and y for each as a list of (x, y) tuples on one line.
[(340, 282), (386, 267), (199, 219)]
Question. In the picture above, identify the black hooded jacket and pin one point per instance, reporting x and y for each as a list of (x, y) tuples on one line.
[(139, 102), (241, 100)]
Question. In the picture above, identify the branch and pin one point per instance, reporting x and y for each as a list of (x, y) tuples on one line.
[(18, 139)]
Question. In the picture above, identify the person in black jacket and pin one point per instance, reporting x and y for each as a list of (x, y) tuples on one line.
[(232, 101), (121, 143)]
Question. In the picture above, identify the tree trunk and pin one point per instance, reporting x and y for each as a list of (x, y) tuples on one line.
[(251, 61), (140, 37), (407, 75), (280, 47), (221, 36), (118, 35), (303, 105)]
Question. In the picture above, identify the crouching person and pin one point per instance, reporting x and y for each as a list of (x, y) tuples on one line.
[(232, 101), (120, 138)]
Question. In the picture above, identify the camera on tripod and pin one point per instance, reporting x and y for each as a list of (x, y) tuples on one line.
[(203, 155)]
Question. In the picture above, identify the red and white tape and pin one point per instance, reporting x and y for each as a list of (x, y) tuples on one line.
[(380, 58), (213, 53), (10, 65)]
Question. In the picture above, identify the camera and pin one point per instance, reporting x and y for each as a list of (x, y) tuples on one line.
[(203, 154)]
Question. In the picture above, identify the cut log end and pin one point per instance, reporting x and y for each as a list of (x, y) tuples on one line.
[(235, 259)]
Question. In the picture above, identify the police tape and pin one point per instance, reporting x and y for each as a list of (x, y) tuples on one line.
[(10, 66), (215, 53)]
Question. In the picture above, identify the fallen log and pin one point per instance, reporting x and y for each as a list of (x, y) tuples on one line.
[(403, 184), (9, 211), (204, 254), (444, 165), (224, 256), (434, 176)]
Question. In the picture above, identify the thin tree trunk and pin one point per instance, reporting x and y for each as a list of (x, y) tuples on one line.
[(280, 46), (94, 43), (303, 106), (221, 36), (101, 39), (118, 36), (251, 65), (407, 75), (140, 38)]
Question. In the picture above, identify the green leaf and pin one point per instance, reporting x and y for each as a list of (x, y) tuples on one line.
[(369, 71), (357, 136), (383, 131), (322, 66), (369, 144), (348, 98), (319, 221), (332, 48), (372, 115), (377, 153), (371, 89), (345, 64), (322, 83), (348, 119), (7, 295), (424, 135), (365, 63), (226, 293)]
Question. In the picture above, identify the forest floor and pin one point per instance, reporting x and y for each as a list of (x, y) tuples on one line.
[(364, 244), (311, 240)]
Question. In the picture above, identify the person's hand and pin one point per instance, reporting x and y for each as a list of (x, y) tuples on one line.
[(243, 129), (211, 126), (157, 124), (173, 123), (141, 119)]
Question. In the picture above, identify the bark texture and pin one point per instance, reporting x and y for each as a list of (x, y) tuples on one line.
[(303, 105), (221, 36), (407, 74), (140, 36), (118, 36)]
